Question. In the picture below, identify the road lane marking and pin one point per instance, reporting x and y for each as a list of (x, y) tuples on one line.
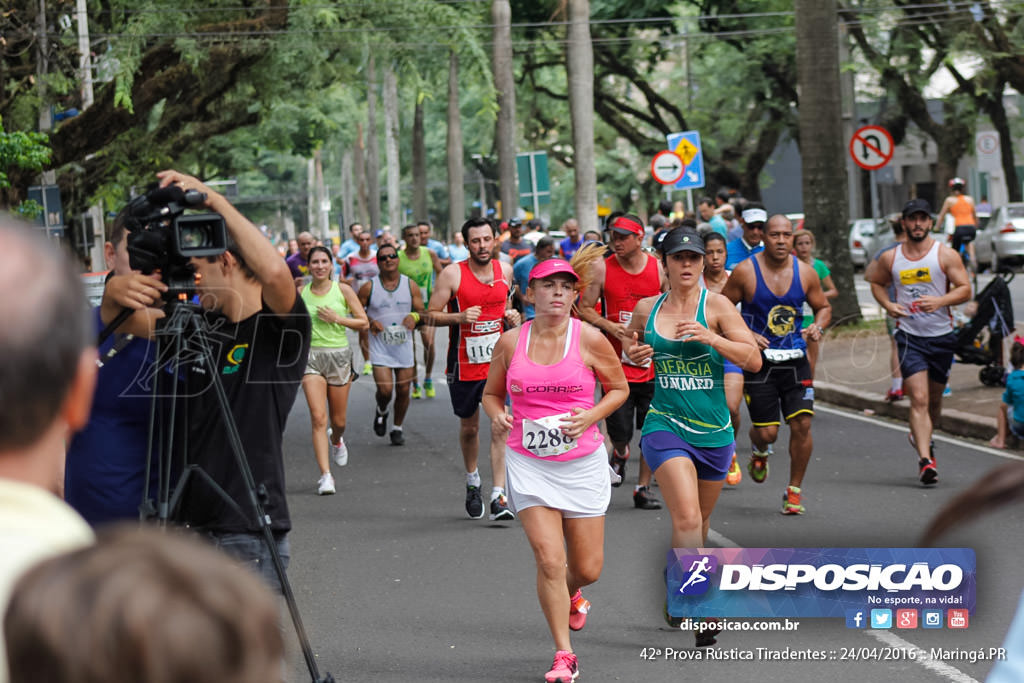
[(904, 428), (935, 666)]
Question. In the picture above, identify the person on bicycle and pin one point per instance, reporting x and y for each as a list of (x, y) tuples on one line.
[(961, 207)]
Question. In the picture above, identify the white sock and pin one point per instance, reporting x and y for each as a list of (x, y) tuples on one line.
[(897, 383), (473, 478), (497, 491), (637, 488), (396, 428)]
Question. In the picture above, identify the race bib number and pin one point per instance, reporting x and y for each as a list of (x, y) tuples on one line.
[(627, 361), (479, 349), (780, 355), (544, 438), (395, 335)]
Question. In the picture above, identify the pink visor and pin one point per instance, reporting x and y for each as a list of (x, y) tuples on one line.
[(552, 266)]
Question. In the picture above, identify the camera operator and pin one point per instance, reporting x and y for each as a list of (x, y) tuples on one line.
[(259, 331)]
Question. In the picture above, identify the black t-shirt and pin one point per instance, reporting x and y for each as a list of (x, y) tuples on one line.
[(260, 362)]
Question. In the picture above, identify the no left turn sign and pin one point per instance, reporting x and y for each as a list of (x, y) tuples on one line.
[(871, 147)]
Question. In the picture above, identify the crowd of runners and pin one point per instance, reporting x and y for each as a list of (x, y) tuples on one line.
[(636, 344)]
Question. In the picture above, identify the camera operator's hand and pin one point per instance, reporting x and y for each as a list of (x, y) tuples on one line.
[(137, 292)]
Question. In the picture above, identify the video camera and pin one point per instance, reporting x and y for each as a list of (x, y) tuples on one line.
[(162, 238)]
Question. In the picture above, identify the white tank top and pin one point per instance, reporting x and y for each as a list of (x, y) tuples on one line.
[(914, 279), (392, 346)]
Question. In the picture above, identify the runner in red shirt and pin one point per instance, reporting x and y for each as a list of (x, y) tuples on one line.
[(476, 294), (620, 281)]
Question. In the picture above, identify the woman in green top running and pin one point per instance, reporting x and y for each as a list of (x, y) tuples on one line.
[(333, 307), (688, 438), (803, 245)]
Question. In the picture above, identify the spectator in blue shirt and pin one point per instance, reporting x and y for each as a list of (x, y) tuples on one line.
[(521, 271), (1013, 399), (351, 245), (457, 250), (573, 241), (706, 208), (749, 243), (433, 245)]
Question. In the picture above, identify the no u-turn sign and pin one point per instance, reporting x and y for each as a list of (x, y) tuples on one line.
[(871, 147)]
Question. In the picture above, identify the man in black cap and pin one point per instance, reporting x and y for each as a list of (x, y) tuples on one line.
[(928, 278)]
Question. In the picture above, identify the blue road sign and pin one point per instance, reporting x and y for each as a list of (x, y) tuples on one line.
[(687, 146)]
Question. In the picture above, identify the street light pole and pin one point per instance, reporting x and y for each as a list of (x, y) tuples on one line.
[(479, 159)]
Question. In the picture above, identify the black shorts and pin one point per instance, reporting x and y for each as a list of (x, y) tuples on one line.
[(963, 234), (466, 396), (633, 412), (934, 354), (788, 384)]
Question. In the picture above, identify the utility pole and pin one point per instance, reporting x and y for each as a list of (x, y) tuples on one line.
[(94, 214)]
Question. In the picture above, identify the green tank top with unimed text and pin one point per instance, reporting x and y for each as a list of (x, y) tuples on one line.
[(689, 393)]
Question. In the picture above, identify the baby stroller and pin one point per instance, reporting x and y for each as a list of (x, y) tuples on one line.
[(980, 340)]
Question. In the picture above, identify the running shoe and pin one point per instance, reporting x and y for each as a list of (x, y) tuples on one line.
[(948, 391), (645, 500), (474, 503), (565, 668), (735, 474), (367, 368), (893, 395), (380, 424), (708, 636), (325, 486), (339, 452), (500, 511), (758, 465), (416, 391), (397, 437), (927, 472), (618, 465), (428, 388), (579, 607), (791, 501)]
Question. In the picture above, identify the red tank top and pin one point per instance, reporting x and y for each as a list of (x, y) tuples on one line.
[(470, 344), (622, 292)]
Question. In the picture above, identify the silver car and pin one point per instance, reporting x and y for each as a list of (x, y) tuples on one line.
[(864, 238), (1004, 236)]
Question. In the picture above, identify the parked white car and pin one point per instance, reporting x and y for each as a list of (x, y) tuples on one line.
[(1002, 240), (866, 235)]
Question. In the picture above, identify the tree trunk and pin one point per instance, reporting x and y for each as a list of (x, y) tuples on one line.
[(456, 189), (504, 83), (359, 162), (997, 114), (821, 146), (393, 168), (419, 163), (372, 148), (348, 205), (311, 196), (580, 71), (323, 222)]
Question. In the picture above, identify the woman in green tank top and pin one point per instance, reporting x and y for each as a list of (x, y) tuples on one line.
[(333, 308), (688, 438)]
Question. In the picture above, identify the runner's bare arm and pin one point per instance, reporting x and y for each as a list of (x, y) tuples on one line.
[(599, 356), (512, 316), (591, 295), (733, 340), (735, 289), (633, 344), (880, 279), (447, 284), (417, 306)]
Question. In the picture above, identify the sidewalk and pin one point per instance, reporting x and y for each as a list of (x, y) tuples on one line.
[(853, 372)]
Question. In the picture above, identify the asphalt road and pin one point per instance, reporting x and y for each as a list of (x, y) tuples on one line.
[(396, 583)]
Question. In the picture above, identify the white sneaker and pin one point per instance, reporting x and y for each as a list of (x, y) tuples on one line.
[(325, 487), (339, 453)]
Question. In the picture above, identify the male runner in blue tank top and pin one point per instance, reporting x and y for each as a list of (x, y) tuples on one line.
[(772, 287)]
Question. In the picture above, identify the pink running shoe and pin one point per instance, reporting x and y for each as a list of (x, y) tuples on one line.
[(579, 606), (565, 669)]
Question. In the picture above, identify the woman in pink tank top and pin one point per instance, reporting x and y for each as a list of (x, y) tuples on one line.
[(557, 467)]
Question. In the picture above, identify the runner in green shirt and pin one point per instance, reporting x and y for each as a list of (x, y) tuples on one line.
[(420, 265)]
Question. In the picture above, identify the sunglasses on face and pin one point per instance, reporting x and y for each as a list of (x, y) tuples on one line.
[(386, 257)]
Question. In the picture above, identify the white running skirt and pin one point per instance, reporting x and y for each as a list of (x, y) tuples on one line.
[(579, 488)]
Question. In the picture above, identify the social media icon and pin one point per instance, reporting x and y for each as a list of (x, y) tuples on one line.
[(957, 618), (856, 618), (931, 618), (906, 618), (881, 618)]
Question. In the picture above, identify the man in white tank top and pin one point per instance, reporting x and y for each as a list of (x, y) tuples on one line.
[(928, 278)]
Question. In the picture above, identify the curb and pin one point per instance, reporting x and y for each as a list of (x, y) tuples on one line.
[(955, 422)]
